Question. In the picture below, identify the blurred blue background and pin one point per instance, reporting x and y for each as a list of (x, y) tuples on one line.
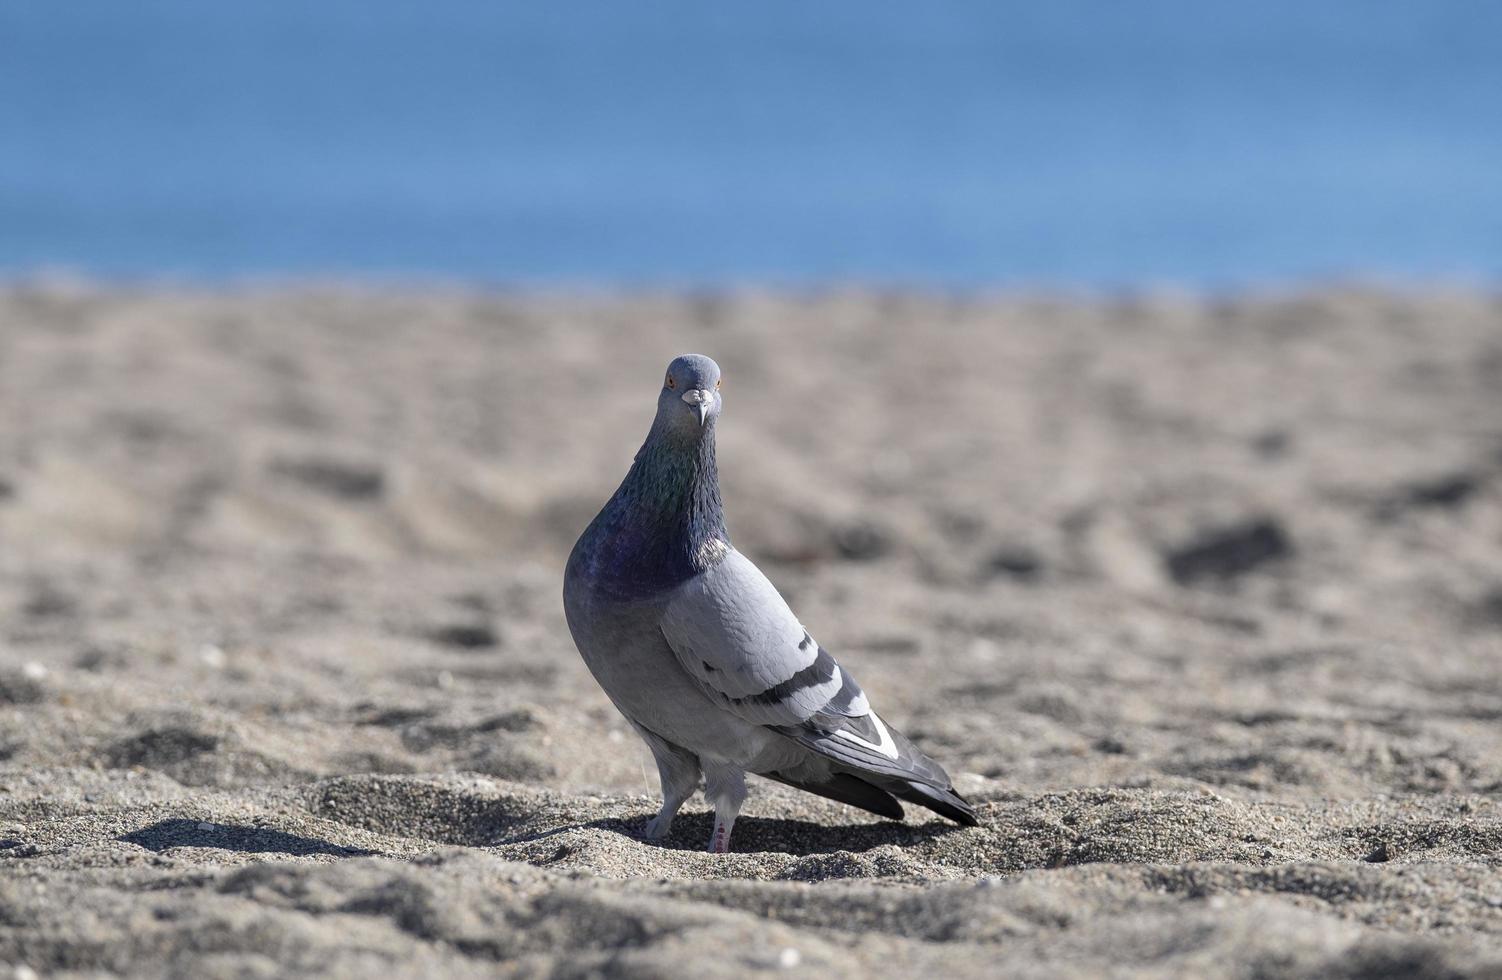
[(1092, 144)]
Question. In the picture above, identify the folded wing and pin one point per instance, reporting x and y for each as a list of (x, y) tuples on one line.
[(733, 633)]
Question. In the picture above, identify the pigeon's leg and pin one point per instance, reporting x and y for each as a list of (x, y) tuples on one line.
[(725, 787), (678, 772)]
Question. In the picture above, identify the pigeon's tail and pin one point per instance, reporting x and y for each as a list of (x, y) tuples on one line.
[(944, 802), (845, 788), (872, 753)]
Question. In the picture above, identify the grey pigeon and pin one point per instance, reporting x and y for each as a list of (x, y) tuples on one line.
[(705, 659)]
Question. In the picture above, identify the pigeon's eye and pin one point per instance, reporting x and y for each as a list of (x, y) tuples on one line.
[(671, 383), (717, 383)]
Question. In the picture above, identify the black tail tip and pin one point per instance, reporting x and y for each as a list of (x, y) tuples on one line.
[(944, 802), (964, 814)]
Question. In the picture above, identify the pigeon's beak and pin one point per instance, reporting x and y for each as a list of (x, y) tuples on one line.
[(701, 399)]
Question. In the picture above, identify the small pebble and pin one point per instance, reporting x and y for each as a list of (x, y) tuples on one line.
[(789, 958), (212, 656), (34, 671)]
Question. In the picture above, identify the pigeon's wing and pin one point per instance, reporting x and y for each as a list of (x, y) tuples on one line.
[(733, 633), (736, 636)]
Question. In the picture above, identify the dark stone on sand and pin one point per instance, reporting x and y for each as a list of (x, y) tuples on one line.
[(1229, 551), (345, 479), (1018, 562), (1487, 612), (861, 541), (97, 659), (516, 720), (7, 489), (1447, 491), (17, 688), (1272, 444), (465, 636), (48, 602), (395, 717)]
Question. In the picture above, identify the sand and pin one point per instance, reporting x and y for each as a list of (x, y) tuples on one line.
[(1198, 598)]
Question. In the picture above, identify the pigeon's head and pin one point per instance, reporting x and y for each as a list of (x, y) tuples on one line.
[(690, 398)]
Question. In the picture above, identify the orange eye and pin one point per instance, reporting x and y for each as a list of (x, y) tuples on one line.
[(717, 383), (671, 383)]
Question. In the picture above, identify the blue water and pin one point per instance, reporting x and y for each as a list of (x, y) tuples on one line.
[(975, 143)]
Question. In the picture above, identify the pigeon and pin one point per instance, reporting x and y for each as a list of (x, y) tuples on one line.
[(704, 657)]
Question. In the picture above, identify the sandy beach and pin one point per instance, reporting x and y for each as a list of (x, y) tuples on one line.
[(1198, 598)]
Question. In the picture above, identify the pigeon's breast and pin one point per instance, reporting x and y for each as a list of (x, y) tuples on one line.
[(623, 646), (625, 558)]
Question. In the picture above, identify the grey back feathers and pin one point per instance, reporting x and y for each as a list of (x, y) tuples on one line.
[(704, 657)]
